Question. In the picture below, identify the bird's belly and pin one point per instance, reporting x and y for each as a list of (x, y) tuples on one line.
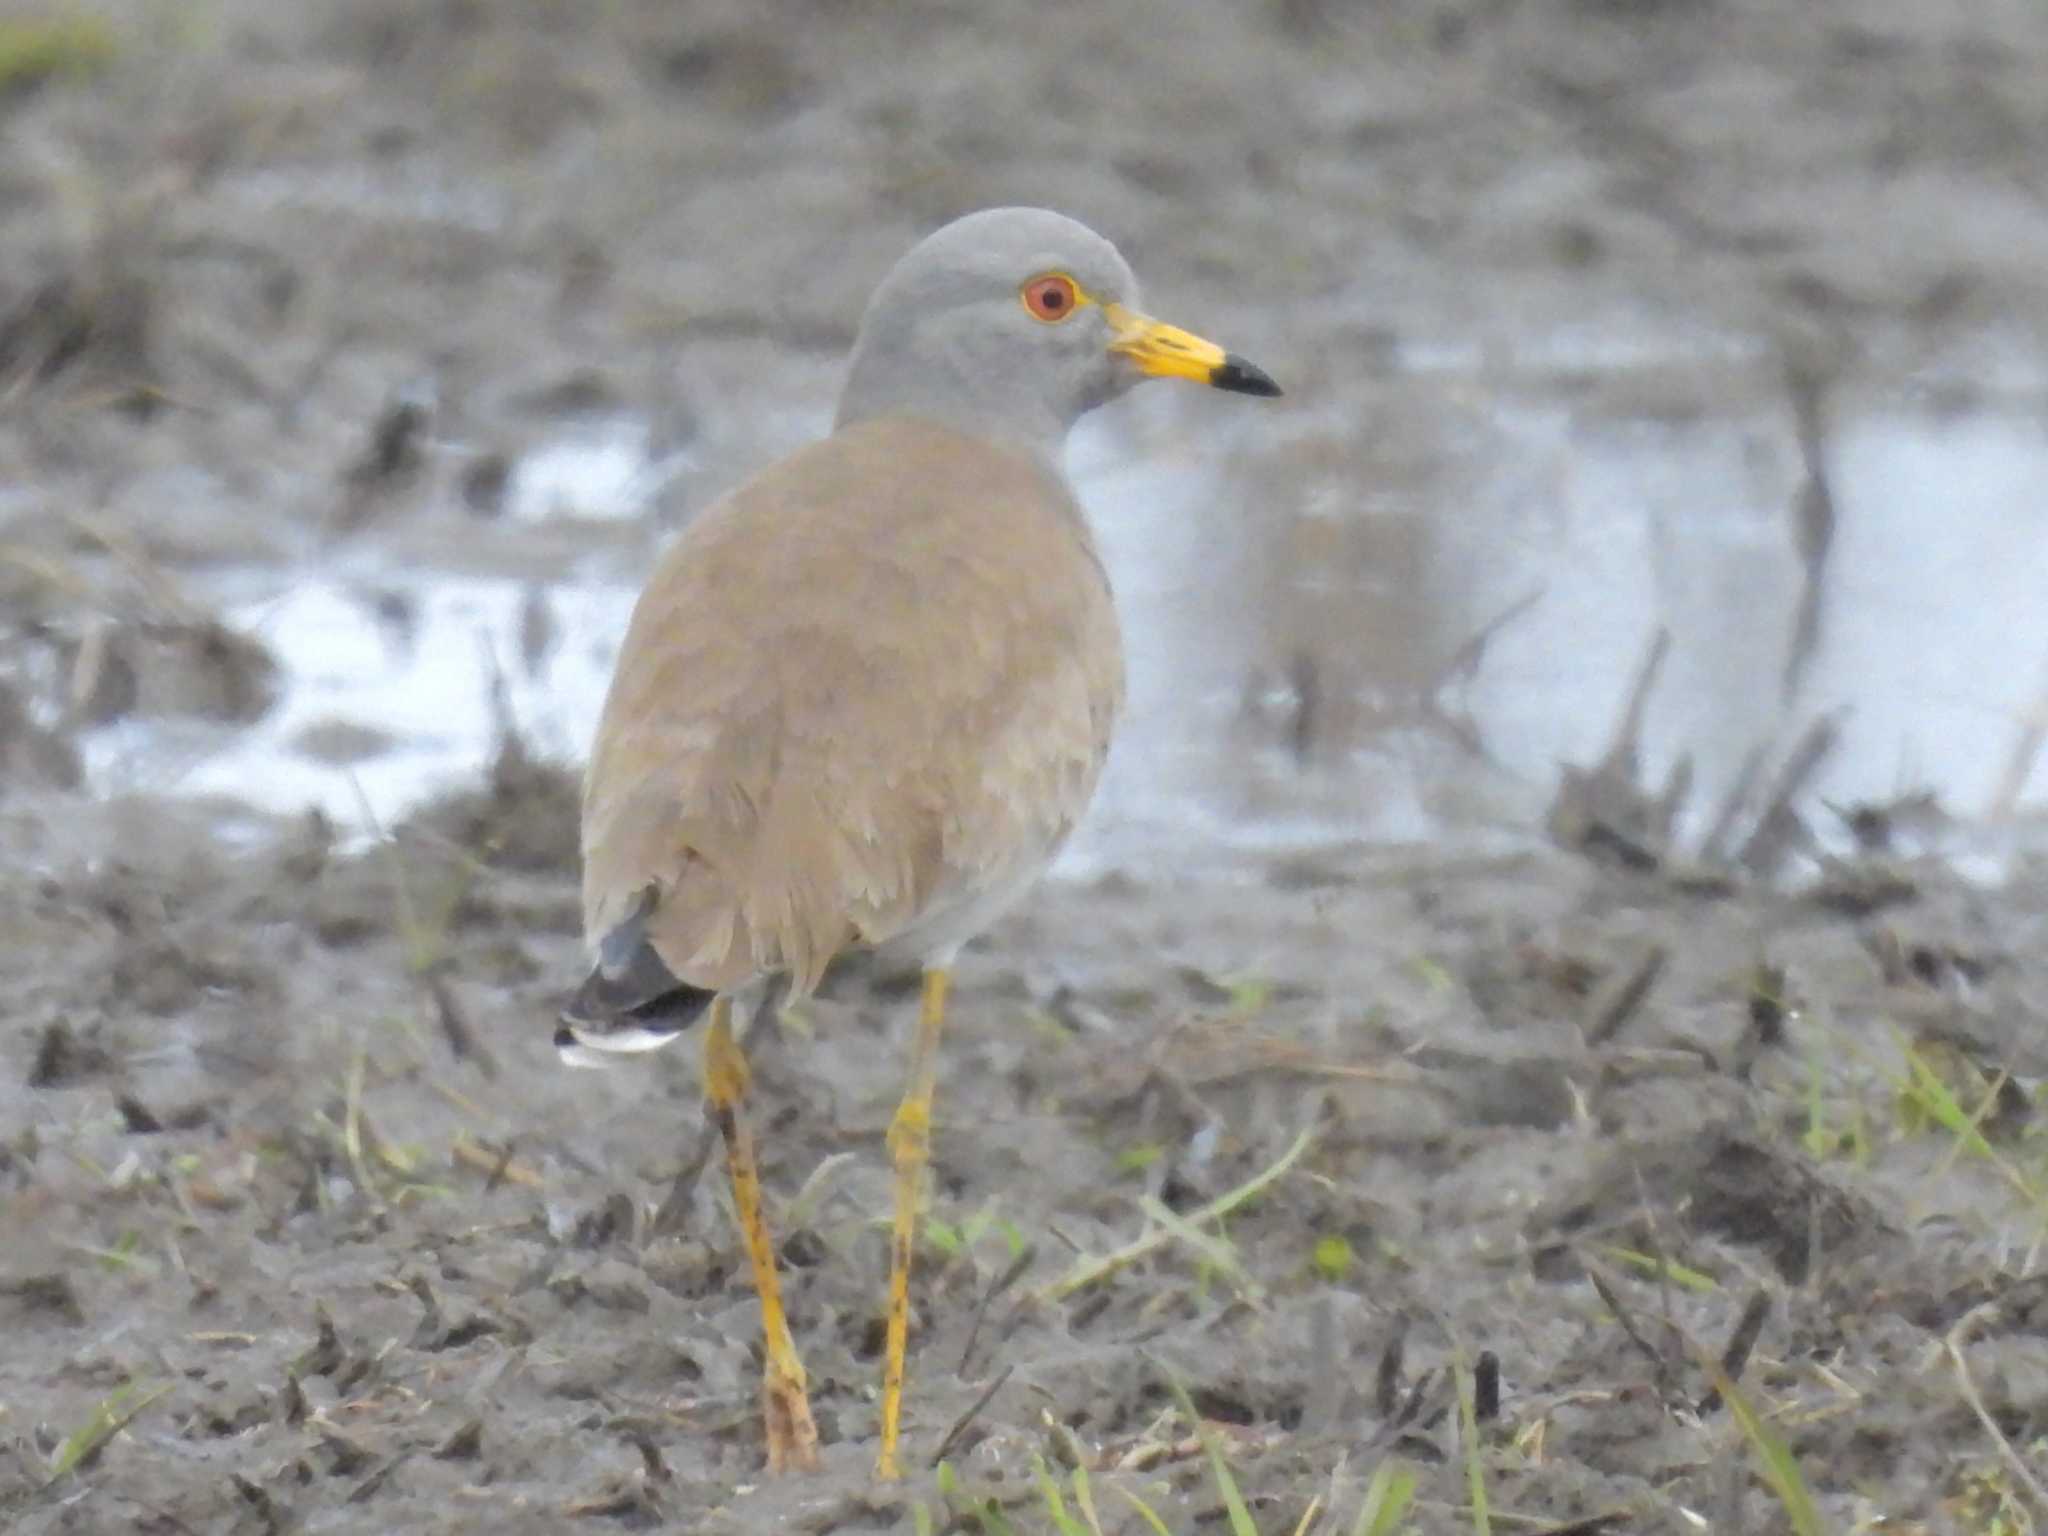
[(935, 935)]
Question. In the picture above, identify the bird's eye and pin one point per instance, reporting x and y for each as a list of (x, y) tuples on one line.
[(1052, 297)]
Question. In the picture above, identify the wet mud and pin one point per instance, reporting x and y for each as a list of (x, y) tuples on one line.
[(1651, 1081)]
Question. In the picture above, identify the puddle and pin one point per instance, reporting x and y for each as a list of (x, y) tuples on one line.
[(604, 471), (396, 687), (1357, 578), (1580, 534)]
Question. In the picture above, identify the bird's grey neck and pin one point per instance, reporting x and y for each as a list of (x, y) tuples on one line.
[(944, 390)]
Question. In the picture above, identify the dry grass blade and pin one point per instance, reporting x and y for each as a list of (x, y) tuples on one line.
[(1953, 1343), (803, 1207), (498, 1164), (1774, 1457)]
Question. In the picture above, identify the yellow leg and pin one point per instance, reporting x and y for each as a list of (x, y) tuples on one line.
[(785, 1406), (910, 1146)]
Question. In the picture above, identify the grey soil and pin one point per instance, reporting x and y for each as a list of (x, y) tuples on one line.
[(292, 1189)]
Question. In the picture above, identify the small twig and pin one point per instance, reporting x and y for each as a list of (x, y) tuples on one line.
[(960, 1425), (259, 1500), (1619, 1004), (1653, 1242), (1625, 750), (2019, 765), (455, 1027), (1419, 1399), (1740, 1342), (1714, 847), (1779, 828), (1622, 1316), (1486, 1387), (1386, 1393), (497, 1167), (1026, 1257), (1813, 515), (1466, 659)]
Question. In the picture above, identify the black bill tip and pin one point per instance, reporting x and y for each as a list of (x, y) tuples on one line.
[(1242, 378)]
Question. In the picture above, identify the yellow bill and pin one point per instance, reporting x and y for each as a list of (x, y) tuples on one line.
[(1168, 352)]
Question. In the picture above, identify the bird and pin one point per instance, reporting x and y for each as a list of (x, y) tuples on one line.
[(864, 698)]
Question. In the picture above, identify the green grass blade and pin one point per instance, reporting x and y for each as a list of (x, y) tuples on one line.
[(989, 1516), (1087, 1272), (1933, 1098), (1084, 1500), (1680, 1275), (1233, 1501), (1055, 1506), (1145, 1511), (1818, 1140), (109, 1417), (1214, 1251), (52, 48), (1475, 1464), (1386, 1500), (1774, 1457)]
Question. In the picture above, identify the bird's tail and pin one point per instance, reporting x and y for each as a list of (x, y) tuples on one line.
[(631, 1001)]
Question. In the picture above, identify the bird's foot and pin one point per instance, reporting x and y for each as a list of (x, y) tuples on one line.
[(792, 1436)]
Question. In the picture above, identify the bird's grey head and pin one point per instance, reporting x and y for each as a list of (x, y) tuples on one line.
[(1010, 323)]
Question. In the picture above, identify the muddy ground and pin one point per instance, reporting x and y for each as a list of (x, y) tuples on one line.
[(303, 1228)]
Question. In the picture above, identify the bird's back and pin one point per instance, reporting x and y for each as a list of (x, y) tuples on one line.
[(837, 717)]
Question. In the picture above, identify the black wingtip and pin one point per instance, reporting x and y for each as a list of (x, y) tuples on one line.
[(1243, 378), (589, 1034), (602, 1002)]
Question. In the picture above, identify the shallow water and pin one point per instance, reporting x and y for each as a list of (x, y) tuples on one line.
[(1255, 562)]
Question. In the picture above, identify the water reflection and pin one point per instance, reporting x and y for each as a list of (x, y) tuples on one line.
[(1460, 595), (1395, 626)]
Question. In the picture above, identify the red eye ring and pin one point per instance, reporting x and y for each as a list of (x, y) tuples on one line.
[(1051, 298)]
